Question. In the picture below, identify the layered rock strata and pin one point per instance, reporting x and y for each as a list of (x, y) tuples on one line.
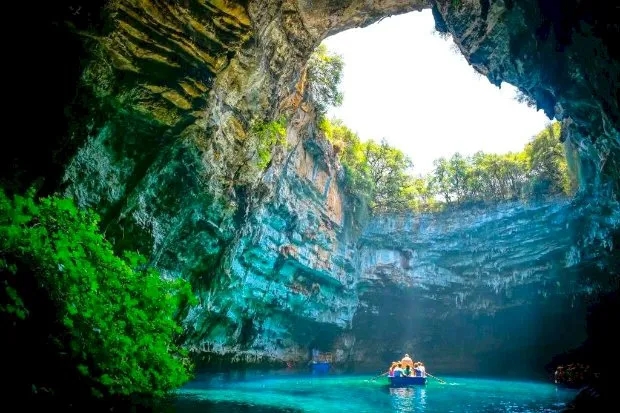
[(147, 115)]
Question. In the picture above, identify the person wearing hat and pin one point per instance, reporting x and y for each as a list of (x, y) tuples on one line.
[(398, 371), (392, 367), (422, 369), (406, 361)]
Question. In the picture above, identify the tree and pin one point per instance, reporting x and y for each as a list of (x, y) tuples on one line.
[(420, 194), (458, 172), (84, 318), (521, 97), (516, 165), (379, 174), (344, 140), (478, 180), (324, 76), (441, 179), (539, 170), (376, 174), (547, 163), (388, 167)]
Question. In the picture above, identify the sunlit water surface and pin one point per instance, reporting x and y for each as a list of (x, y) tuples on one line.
[(355, 393)]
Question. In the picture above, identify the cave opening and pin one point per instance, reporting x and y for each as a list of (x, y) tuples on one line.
[(460, 272), (405, 81), (197, 131)]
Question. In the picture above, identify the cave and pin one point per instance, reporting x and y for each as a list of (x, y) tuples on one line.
[(144, 111)]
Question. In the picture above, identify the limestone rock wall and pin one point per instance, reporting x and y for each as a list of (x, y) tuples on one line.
[(289, 272), (142, 110), (561, 54), (479, 289)]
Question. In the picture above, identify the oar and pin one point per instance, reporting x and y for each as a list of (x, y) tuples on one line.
[(436, 378), (382, 374)]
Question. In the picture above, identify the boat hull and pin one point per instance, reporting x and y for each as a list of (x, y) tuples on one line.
[(407, 381), (320, 368)]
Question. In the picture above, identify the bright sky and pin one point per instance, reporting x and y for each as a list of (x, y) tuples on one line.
[(404, 83)]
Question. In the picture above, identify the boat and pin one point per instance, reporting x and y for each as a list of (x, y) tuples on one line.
[(320, 367), (405, 381), (321, 362), (417, 373)]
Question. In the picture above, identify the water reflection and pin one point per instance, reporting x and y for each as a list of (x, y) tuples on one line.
[(287, 392), (408, 399)]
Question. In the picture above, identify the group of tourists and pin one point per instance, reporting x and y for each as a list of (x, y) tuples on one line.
[(407, 368)]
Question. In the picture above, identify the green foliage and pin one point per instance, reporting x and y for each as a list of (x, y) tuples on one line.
[(375, 173), (324, 77), (499, 177), (268, 135), (352, 154), (388, 172), (539, 170), (525, 99), (547, 162), (420, 194), (441, 178), (378, 175), (482, 177), (114, 317)]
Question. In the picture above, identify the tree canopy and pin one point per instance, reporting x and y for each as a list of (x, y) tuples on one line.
[(109, 322), (324, 76), (376, 174), (539, 170), (547, 163), (382, 175)]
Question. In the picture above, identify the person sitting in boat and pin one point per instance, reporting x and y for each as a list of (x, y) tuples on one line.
[(422, 369), (416, 369), (398, 371), (406, 361), (407, 371), (392, 368)]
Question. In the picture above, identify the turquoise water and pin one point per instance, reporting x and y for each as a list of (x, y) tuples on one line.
[(296, 393)]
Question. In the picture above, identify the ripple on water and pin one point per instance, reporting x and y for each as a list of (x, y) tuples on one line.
[(360, 394)]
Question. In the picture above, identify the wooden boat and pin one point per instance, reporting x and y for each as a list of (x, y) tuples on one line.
[(405, 381), (320, 367), (321, 362)]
